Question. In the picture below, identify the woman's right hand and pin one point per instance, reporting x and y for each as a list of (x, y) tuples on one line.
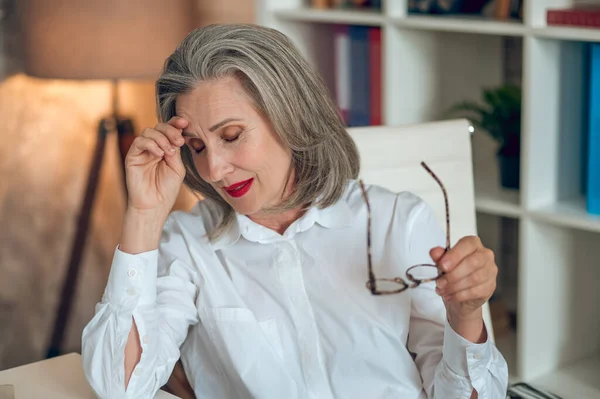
[(154, 169)]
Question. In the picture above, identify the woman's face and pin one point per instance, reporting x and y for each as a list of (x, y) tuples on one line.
[(234, 148)]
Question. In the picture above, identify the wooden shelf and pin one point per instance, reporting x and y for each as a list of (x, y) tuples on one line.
[(570, 213), (371, 18), (577, 380), (492, 199), (462, 25), (430, 63), (567, 33)]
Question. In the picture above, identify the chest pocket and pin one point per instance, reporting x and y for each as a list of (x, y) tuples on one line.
[(251, 352)]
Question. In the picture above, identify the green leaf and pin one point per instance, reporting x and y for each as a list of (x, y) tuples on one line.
[(499, 112)]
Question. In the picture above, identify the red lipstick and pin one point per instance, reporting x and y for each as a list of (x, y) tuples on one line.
[(239, 189)]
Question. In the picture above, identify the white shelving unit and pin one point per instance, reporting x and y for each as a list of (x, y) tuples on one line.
[(429, 63)]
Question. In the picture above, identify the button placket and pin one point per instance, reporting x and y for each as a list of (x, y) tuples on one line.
[(290, 272)]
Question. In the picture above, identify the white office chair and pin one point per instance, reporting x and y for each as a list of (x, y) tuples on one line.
[(391, 157)]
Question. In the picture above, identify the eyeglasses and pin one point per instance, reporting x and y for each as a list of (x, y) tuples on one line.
[(417, 274)]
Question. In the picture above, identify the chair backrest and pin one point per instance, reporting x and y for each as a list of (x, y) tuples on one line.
[(391, 157)]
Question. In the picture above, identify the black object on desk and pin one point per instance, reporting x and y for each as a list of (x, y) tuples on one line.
[(522, 390)]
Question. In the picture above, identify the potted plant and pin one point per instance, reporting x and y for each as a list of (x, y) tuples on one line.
[(499, 115)]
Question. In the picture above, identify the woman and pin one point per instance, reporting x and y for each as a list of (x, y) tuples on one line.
[(261, 287)]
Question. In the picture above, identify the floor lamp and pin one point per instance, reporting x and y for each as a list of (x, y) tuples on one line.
[(89, 40)]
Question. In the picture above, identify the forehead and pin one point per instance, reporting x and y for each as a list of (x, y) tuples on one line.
[(220, 96)]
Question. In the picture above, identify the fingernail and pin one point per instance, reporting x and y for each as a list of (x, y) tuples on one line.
[(445, 265), (441, 283), (173, 149)]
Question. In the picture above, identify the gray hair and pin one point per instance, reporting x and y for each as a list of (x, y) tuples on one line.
[(285, 90)]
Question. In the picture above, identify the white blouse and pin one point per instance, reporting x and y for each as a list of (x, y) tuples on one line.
[(257, 314)]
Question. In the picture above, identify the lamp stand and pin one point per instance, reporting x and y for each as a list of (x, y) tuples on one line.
[(124, 129)]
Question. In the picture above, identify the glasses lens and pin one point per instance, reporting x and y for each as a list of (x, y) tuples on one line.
[(423, 272), (384, 285)]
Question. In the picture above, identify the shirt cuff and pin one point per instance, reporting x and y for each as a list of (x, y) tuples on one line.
[(464, 357), (132, 279)]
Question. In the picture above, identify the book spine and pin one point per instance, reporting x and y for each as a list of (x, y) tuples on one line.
[(320, 4), (571, 17), (375, 75), (359, 75), (342, 70), (593, 139)]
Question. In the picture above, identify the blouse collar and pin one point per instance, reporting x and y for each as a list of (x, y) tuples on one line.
[(338, 215)]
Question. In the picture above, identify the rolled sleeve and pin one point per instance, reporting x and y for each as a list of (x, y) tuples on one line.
[(465, 358), (450, 365), (467, 366), (132, 279)]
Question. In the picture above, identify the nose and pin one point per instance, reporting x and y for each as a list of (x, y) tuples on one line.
[(217, 166)]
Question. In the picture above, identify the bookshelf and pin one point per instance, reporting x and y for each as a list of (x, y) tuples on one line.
[(429, 63)]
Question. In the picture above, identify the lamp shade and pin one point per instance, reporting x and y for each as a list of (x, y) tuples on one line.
[(101, 39)]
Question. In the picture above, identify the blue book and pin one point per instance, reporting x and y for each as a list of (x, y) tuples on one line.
[(359, 114), (593, 133), (585, 117)]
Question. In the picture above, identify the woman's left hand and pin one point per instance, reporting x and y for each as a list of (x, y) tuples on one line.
[(470, 278)]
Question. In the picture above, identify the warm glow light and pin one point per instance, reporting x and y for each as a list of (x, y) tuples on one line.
[(90, 39)]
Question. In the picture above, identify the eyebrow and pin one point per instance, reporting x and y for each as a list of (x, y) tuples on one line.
[(213, 127), (224, 121)]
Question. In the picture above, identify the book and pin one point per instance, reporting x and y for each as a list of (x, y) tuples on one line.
[(582, 16), (341, 44), (320, 4), (374, 37), (360, 94), (593, 133)]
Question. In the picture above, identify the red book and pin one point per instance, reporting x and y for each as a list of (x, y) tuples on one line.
[(582, 16), (374, 36)]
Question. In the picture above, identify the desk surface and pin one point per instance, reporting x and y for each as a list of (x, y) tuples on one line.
[(57, 378)]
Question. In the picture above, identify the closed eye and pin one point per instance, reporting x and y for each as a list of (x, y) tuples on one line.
[(196, 145), (198, 150), (232, 139)]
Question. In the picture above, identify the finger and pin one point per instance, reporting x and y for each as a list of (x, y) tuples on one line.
[(172, 133), (481, 292), (468, 265), (175, 162), (178, 122), (474, 278), (436, 253), (142, 144), (463, 248), (162, 140)]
